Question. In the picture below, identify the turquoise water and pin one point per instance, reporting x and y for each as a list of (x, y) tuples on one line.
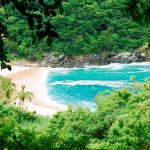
[(79, 86)]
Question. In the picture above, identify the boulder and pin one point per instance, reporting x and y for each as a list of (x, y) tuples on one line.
[(61, 57), (126, 58)]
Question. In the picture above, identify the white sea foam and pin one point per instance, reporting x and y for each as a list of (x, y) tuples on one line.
[(118, 66), (140, 64), (113, 84), (112, 66), (144, 70), (59, 70)]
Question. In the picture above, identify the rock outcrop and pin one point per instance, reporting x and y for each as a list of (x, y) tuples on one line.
[(94, 59)]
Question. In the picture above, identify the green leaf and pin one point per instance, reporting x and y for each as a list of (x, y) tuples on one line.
[(49, 41)]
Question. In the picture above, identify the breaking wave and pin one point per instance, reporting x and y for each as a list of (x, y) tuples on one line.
[(112, 84)]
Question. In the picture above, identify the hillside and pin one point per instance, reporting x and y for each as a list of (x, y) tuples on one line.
[(85, 27)]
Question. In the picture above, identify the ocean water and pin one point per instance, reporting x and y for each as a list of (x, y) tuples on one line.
[(79, 86)]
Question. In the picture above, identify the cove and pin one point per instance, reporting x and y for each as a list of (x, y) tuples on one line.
[(79, 86)]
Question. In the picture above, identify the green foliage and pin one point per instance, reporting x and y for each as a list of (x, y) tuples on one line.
[(23, 94), (17, 129), (131, 130), (120, 122), (85, 27), (139, 10), (73, 128), (7, 90), (36, 13), (95, 27)]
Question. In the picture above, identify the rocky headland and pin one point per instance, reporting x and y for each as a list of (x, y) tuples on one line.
[(94, 59), (50, 60)]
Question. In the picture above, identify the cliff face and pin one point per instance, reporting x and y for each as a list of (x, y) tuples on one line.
[(95, 59)]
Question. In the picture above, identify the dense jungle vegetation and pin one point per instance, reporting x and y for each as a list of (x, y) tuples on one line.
[(86, 26), (120, 122), (122, 118)]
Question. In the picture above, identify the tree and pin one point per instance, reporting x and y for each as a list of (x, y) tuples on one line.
[(37, 13), (81, 28), (22, 95), (7, 89), (139, 10)]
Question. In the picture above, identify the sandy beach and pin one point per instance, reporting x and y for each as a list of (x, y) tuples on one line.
[(34, 78)]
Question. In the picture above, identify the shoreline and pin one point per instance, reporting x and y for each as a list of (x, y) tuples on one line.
[(34, 78)]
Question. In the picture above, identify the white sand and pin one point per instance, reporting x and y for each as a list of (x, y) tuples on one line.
[(34, 78), (15, 69)]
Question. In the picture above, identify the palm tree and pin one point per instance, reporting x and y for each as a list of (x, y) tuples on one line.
[(22, 95), (7, 89)]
